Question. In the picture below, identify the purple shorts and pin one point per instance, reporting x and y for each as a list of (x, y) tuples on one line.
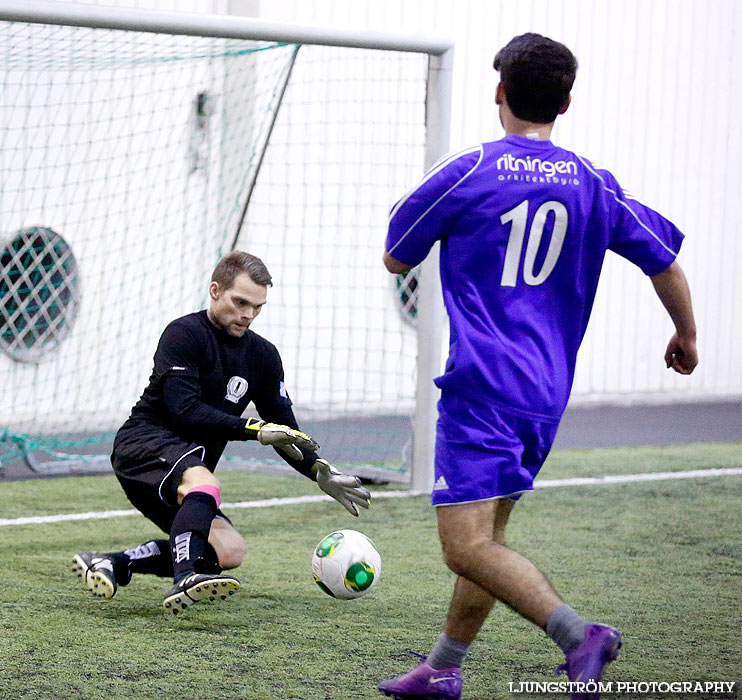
[(483, 453)]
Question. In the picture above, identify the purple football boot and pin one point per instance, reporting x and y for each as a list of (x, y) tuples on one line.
[(586, 662), (424, 683)]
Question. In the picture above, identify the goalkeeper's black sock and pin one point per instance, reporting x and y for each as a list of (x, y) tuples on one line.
[(189, 534), (152, 557)]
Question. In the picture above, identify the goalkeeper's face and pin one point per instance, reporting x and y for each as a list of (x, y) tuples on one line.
[(234, 309)]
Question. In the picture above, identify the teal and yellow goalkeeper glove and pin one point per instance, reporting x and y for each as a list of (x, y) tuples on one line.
[(345, 489), (284, 438)]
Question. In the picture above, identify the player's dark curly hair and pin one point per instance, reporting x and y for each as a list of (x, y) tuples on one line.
[(537, 74), (236, 263)]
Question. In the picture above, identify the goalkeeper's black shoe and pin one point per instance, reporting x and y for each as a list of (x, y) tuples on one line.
[(99, 573), (196, 587)]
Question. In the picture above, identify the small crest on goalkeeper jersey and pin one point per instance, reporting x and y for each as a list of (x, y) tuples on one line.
[(236, 389)]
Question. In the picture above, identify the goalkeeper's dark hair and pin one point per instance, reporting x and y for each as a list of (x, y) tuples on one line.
[(236, 263), (537, 74)]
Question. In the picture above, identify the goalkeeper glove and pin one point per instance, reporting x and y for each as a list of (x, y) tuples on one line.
[(345, 489), (284, 438)]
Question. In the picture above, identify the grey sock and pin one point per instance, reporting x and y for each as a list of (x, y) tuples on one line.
[(447, 653), (566, 628)]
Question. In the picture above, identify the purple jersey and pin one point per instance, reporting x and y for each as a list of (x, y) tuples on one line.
[(524, 227)]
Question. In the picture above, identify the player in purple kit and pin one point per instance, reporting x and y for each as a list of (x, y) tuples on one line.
[(523, 227)]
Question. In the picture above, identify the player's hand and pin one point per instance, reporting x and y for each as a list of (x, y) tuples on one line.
[(345, 489), (681, 354), (284, 438)]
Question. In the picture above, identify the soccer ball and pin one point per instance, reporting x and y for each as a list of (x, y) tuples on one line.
[(346, 564)]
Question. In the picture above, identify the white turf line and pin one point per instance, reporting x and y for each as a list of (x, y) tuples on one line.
[(543, 484)]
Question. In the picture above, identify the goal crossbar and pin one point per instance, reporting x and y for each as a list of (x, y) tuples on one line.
[(209, 25)]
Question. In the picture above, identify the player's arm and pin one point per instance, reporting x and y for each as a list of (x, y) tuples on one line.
[(423, 215), (650, 241), (189, 412), (177, 361), (674, 293), (395, 266)]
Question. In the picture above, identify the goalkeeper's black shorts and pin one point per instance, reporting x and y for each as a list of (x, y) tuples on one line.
[(151, 483)]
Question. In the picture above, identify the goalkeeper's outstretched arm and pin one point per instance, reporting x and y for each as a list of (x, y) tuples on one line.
[(345, 489), (189, 412), (287, 439)]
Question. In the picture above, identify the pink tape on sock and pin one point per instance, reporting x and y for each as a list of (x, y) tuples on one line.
[(211, 490)]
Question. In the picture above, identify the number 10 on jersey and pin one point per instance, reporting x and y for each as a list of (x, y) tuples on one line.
[(519, 220)]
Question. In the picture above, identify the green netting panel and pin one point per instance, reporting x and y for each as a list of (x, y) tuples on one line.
[(128, 161), (39, 293)]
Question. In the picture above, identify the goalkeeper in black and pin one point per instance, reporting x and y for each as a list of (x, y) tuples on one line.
[(208, 367)]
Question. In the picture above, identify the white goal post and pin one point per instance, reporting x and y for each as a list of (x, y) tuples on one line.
[(430, 314)]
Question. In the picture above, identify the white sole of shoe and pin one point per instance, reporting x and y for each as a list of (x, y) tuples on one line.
[(98, 584), (214, 589)]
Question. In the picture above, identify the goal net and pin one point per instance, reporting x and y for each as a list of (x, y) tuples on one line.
[(133, 161)]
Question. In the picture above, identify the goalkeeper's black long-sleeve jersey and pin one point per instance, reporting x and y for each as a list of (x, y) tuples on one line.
[(201, 383)]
